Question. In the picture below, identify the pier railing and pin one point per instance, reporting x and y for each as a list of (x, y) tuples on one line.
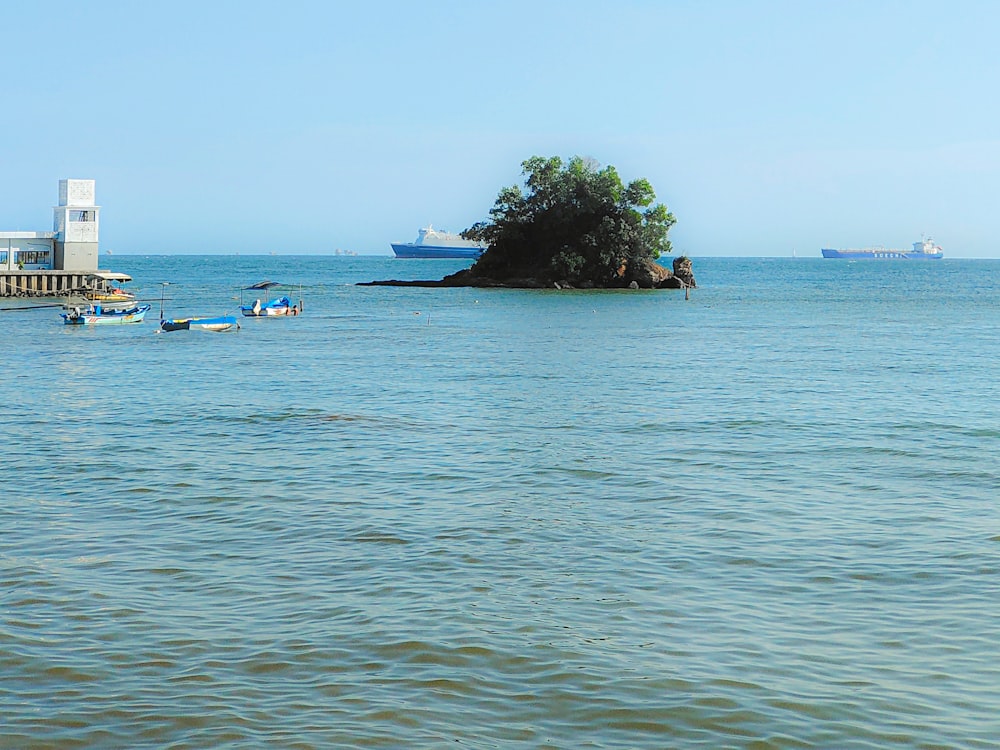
[(50, 283)]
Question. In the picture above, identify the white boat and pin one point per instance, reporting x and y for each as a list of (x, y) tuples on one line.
[(220, 323), (434, 243), (268, 307)]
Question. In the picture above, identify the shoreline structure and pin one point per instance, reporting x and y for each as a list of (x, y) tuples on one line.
[(62, 262)]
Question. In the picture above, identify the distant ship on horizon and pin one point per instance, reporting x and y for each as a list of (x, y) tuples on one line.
[(925, 249), (434, 243)]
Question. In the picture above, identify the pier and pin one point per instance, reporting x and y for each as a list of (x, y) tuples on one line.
[(58, 283)]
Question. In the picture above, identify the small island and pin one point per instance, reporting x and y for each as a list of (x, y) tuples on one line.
[(573, 226)]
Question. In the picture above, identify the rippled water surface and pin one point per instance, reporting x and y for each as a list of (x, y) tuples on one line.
[(763, 517)]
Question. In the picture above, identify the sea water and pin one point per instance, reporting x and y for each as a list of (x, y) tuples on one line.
[(765, 516)]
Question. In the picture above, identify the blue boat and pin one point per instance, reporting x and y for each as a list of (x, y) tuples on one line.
[(923, 250), (98, 315), (268, 308), (220, 323)]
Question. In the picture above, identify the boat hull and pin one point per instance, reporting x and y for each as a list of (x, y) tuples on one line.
[(106, 318), (269, 312), (119, 296), (413, 250), (879, 255), (281, 306), (222, 323)]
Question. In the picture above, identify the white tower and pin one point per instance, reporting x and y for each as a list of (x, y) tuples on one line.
[(75, 222)]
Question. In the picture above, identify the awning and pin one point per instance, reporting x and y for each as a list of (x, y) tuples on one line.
[(111, 276)]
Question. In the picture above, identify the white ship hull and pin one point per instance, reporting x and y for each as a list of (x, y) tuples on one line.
[(431, 243)]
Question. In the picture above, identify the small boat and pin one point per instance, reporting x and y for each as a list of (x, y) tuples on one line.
[(109, 286), (99, 315), (220, 323), (268, 308), (112, 294)]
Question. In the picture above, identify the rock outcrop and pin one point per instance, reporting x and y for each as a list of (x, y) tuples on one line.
[(684, 271), (645, 275)]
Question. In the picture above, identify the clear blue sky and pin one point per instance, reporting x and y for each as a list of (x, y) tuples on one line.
[(304, 126)]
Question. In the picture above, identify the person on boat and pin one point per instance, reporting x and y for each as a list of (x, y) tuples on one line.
[(295, 310), (256, 307)]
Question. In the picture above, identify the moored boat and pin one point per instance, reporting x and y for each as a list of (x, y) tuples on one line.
[(220, 323), (433, 243), (100, 315), (112, 294), (925, 249), (268, 308)]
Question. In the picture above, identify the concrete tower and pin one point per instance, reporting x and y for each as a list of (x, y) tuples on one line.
[(75, 222)]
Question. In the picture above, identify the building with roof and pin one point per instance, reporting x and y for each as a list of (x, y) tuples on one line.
[(72, 245), (60, 262)]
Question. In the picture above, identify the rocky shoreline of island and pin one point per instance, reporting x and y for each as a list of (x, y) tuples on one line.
[(644, 275)]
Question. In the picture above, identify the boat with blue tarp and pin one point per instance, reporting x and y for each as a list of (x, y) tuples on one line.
[(268, 307)]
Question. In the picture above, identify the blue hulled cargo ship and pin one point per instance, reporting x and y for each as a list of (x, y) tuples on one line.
[(923, 250)]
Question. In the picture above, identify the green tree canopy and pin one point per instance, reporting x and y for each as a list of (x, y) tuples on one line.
[(572, 221)]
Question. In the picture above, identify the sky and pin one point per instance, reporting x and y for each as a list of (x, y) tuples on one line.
[(769, 128)]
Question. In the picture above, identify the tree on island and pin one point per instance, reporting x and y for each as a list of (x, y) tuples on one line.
[(575, 224)]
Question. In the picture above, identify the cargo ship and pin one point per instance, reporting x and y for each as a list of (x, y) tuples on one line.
[(922, 250), (433, 243)]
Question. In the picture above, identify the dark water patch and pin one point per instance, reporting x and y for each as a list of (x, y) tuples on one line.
[(973, 479), (377, 538), (937, 430), (70, 675), (746, 562), (13, 623)]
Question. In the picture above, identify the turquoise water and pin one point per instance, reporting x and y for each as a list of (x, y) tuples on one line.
[(764, 517)]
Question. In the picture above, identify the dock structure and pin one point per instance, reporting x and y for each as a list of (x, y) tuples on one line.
[(62, 262), (58, 283)]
